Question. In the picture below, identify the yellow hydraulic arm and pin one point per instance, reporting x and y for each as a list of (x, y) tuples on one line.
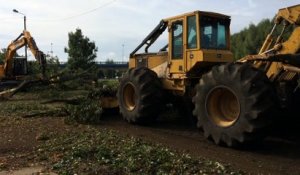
[(274, 47), (24, 39), (288, 15)]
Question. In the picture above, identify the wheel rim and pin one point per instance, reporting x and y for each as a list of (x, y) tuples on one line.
[(129, 97), (223, 107)]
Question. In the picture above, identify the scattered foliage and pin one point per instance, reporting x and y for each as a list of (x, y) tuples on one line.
[(22, 108), (88, 109), (106, 152), (91, 150)]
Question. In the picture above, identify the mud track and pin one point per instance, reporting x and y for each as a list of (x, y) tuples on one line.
[(278, 154)]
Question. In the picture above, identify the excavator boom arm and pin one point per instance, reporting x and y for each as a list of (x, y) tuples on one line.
[(39, 55), (24, 39)]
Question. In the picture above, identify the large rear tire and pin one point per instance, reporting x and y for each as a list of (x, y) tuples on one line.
[(139, 96), (233, 103)]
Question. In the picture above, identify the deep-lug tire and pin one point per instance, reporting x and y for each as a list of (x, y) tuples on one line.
[(233, 104), (139, 96)]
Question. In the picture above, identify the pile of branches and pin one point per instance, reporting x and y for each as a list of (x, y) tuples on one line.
[(85, 108), (66, 79), (88, 109)]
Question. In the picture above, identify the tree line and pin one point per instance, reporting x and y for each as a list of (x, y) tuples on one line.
[(249, 40)]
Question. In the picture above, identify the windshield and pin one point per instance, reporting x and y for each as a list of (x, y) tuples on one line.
[(214, 33)]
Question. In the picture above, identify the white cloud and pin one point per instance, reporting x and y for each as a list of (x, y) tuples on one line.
[(251, 4), (110, 55), (122, 21)]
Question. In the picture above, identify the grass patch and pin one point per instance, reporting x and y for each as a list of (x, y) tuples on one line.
[(79, 105), (31, 103), (20, 107), (107, 152)]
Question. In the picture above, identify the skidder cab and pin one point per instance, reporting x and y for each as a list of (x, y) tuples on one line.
[(196, 41)]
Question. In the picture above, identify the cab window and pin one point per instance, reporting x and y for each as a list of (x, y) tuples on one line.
[(213, 33), (192, 32), (177, 40)]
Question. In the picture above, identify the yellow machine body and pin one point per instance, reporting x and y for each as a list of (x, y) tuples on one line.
[(275, 46), (234, 102), (177, 64), (25, 39)]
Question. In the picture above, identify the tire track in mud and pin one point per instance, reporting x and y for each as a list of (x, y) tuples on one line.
[(279, 154)]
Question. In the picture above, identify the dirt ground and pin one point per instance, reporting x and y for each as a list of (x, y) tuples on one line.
[(20, 137), (278, 154)]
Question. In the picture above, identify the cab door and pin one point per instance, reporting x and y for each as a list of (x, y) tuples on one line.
[(176, 46), (192, 46)]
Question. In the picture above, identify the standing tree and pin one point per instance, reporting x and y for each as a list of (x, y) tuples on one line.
[(109, 73), (81, 51), (52, 65), (250, 39), (2, 55)]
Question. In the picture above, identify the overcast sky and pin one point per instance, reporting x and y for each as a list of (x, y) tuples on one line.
[(114, 23)]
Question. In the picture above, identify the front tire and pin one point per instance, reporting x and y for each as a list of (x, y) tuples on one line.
[(233, 103), (139, 96)]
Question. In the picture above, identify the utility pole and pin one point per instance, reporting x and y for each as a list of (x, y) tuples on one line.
[(16, 11), (123, 45), (51, 50)]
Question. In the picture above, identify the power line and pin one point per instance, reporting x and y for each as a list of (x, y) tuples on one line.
[(66, 18), (81, 14), (8, 18), (92, 10)]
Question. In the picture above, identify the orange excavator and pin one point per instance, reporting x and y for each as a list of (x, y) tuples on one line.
[(14, 69)]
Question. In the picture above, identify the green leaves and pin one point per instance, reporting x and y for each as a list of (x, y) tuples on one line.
[(82, 51), (88, 108), (249, 40), (87, 111), (95, 151), (2, 55)]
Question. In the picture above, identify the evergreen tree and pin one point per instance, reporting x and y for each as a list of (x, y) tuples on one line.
[(109, 73), (81, 51), (2, 55), (249, 40)]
